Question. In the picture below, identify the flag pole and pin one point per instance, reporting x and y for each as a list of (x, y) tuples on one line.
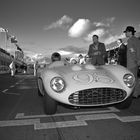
[(6, 32), (5, 41), (0, 40)]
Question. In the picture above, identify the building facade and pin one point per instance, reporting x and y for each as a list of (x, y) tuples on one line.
[(5, 60)]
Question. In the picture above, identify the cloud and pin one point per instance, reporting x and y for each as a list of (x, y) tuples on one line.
[(104, 36), (110, 20), (74, 49), (106, 23), (112, 38), (99, 24), (29, 53), (79, 28), (63, 52), (82, 26), (63, 22), (100, 32), (31, 57)]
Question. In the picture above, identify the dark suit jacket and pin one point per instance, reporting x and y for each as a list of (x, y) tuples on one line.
[(133, 52), (122, 55), (97, 55)]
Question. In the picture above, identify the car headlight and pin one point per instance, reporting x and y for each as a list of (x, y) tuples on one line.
[(129, 80), (57, 84)]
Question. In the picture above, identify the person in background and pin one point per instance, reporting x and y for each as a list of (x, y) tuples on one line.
[(57, 61), (97, 51), (56, 57), (12, 68), (133, 55), (81, 59), (73, 61), (122, 53), (35, 67)]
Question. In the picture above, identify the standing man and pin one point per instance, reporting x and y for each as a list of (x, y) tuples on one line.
[(133, 55), (35, 67), (97, 52), (12, 68), (122, 53)]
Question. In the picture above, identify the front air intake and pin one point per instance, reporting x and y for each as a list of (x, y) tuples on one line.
[(97, 96)]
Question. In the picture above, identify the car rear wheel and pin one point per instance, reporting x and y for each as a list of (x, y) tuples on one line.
[(50, 105), (125, 104)]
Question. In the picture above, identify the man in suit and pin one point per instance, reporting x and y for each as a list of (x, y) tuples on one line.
[(133, 55), (122, 53), (97, 52)]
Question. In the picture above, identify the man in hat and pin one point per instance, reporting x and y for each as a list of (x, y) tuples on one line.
[(133, 55)]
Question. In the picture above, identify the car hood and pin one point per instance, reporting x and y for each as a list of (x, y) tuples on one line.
[(85, 74)]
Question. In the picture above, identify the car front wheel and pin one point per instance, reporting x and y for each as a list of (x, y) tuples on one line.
[(50, 105)]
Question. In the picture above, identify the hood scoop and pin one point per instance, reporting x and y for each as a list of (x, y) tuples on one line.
[(76, 68), (84, 78)]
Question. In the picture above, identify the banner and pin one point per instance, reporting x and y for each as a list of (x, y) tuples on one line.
[(3, 30), (13, 39), (18, 48)]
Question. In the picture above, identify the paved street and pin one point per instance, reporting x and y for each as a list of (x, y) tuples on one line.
[(22, 116)]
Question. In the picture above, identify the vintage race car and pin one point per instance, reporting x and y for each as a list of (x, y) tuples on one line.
[(85, 85)]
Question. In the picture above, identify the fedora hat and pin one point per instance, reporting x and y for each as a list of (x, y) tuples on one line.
[(129, 29)]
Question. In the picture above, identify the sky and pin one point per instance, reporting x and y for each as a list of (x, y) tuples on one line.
[(47, 26)]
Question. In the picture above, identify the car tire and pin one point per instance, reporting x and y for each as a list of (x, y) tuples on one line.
[(50, 105), (39, 83), (125, 104), (39, 93)]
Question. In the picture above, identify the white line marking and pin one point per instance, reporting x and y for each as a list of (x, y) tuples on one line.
[(38, 126), (112, 109), (11, 93), (12, 86), (19, 115), (4, 90), (19, 122), (108, 116), (129, 118), (96, 117), (80, 121)]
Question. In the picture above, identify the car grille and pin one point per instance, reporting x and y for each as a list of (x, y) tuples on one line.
[(97, 96)]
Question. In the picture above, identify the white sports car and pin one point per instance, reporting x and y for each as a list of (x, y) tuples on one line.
[(85, 85)]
